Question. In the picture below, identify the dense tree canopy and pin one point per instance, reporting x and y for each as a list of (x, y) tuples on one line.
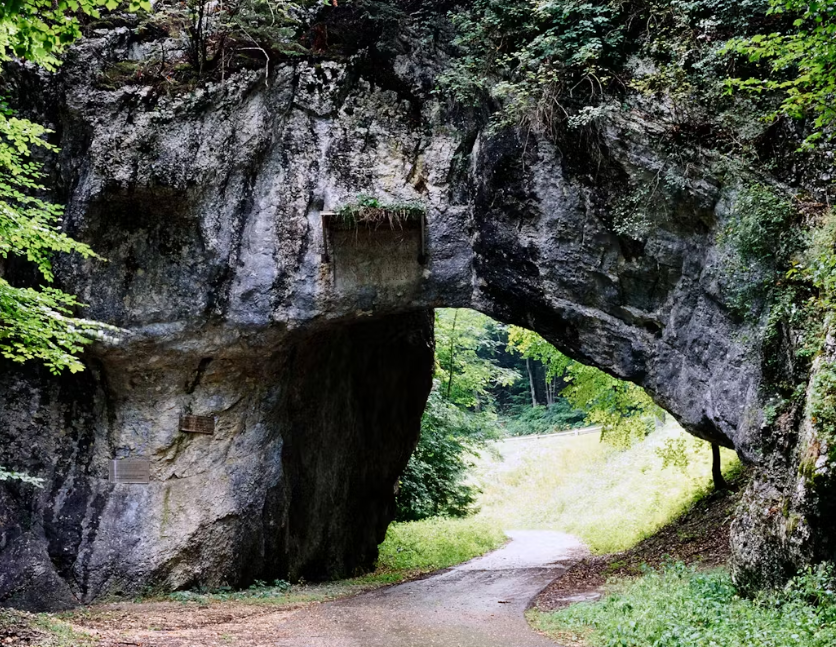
[(621, 408)]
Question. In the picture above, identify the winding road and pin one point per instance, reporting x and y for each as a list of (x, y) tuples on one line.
[(477, 604)]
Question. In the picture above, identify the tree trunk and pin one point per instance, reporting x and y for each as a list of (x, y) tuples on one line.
[(452, 352), (531, 382), (549, 391), (716, 468)]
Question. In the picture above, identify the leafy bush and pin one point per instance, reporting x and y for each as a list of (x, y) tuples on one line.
[(434, 481), (458, 418), (759, 231), (541, 420), (800, 63), (760, 243), (681, 607), (437, 543), (535, 57)]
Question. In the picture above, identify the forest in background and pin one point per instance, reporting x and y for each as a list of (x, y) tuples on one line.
[(493, 380)]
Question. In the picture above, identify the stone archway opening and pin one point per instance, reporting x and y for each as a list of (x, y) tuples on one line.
[(510, 386), (210, 213)]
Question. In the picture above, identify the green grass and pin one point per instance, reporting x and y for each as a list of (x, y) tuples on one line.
[(430, 544), (61, 634), (681, 607), (44, 629), (610, 499)]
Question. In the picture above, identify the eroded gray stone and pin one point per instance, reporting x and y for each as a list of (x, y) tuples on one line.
[(207, 206)]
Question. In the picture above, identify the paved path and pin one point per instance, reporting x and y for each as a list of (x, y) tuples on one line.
[(477, 604)]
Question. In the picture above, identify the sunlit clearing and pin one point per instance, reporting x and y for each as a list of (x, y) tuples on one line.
[(611, 499)]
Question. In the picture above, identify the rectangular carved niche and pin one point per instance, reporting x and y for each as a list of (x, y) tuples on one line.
[(379, 254), (385, 232), (130, 470), (197, 424)]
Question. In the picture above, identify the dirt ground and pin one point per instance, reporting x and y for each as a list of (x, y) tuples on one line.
[(478, 604), (16, 628), (179, 624)]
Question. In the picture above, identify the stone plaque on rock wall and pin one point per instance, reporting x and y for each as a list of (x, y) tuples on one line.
[(197, 424), (130, 470)]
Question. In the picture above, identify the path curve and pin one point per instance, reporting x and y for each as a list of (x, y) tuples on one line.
[(477, 604)]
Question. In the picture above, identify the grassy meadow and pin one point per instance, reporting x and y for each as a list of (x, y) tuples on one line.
[(611, 499), (430, 544)]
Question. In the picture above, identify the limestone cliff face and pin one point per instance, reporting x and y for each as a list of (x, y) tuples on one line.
[(208, 206)]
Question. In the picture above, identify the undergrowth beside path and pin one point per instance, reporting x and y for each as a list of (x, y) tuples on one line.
[(679, 606), (673, 590)]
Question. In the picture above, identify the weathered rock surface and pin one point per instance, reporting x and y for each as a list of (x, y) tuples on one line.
[(208, 206)]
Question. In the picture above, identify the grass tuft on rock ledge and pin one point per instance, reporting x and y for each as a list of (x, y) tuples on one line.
[(679, 606), (372, 212)]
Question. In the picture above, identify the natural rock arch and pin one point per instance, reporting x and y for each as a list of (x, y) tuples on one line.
[(208, 207)]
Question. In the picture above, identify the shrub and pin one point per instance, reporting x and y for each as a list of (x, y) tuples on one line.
[(434, 481), (437, 543), (541, 420), (681, 607)]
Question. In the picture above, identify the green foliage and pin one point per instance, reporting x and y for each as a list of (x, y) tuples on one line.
[(40, 30), (544, 419), (682, 607), (789, 265), (760, 243), (36, 324), (463, 364), (801, 63), (674, 453), (822, 408), (807, 297), (368, 210), (568, 63), (535, 57), (621, 408), (39, 324), (19, 476), (434, 481), (259, 590), (532, 346), (436, 543), (458, 419), (226, 36), (759, 230)]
